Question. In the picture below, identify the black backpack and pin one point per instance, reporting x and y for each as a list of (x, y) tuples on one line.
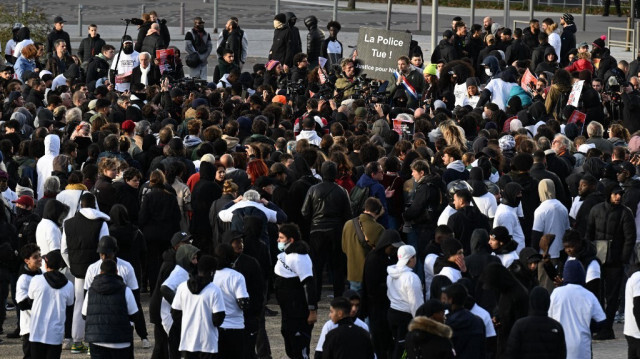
[(357, 197)]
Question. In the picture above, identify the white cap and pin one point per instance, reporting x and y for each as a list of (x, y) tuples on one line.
[(585, 147), (44, 72), (405, 253)]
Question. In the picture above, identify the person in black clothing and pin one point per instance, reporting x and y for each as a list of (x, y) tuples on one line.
[(281, 49), (204, 193), (525, 269), (517, 50), (99, 65), (250, 268), (347, 340), (537, 335), (299, 70), (467, 219), (57, 34), (315, 38), (549, 64), (428, 335), (131, 244), (589, 196), (538, 53), (91, 45), (474, 44), (9, 262), (374, 289), (296, 42), (468, 330), (567, 38), (446, 50), (530, 34), (505, 40), (512, 304), (153, 41), (127, 195), (233, 42), (152, 76)]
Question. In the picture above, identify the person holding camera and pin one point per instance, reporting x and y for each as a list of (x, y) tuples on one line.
[(630, 106), (198, 46)]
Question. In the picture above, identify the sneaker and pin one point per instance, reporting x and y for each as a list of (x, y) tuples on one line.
[(66, 344), (146, 344), (9, 307), (270, 313), (604, 335), (14, 334), (78, 348)]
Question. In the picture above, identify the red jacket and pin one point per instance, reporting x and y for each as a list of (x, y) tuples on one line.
[(580, 65)]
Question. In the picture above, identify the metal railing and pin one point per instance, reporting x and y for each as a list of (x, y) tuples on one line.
[(626, 44), (520, 22)]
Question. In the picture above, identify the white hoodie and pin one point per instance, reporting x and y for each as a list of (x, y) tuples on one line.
[(48, 237), (45, 163), (311, 136), (89, 213), (404, 289)]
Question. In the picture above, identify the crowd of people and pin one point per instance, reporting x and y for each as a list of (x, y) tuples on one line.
[(500, 221)]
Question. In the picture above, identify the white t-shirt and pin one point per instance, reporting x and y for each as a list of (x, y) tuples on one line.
[(132, 308), (294, 265), (507, 258), (507, 217), (593, 270), (552, 217), (486, 204), (632, 290), (500, 91), (447, 212), (178, 276), (574, 307), (575, 207), (429, 262), (460, 93), (490, 331), (125, 66), (233, 287), (453, 274), (22, 291), (17, 51), (125, 271), (329, 326), (198, 333), (11, 44), (48, 312)]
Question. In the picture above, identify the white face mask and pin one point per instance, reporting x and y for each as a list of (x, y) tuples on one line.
[(484, 116), (488, 72)]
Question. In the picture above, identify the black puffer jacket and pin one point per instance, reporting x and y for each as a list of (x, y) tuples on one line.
[(445, 51), (613, 223), (90, 47), (281, 49), (159, 215), (315, 38), (204, 193), (537, 336), (327, 206), (427, 201), (107, 314), (464, 222)]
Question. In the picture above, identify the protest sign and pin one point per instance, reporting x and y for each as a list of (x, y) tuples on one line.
[(166, 60), (574, 96), (402, 126), (577, 117), (379, 50), (528, 82)]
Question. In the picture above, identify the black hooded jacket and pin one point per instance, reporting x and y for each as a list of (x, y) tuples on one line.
[(315, 38), (512, 303), (468, 334), (464, 222), (374, 278), (426, 201), (56, 279), (204, 193), (582, 218), (537, 336), (428, 339), (131, 243)]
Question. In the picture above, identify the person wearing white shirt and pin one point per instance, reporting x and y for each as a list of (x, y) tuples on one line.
[(549, 26), (308, 131), (8, 195), (577, 309), (126, 61), (503, 246), (199, 305), (451, 263), (507, 213), (632, 314), (109, 306), (48, 233), (236, 299), (404, 290), (30, 254), (551, 217), (51, 294), (580, 249), (107, 248), (186, 258)]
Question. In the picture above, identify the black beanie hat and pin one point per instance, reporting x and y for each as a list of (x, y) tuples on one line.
[(450, 247)]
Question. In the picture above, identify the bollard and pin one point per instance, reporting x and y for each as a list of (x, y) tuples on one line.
[(141, 10), (531, 9), (277, 7), (182, 18), (506, 12), (24, 7), (80, 20), (473, 13), (419, 20), (388, 14), (335, 10), (584, 15), (215, 16), (434, 24)]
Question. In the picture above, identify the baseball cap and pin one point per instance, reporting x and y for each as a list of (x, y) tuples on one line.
[(405, 253), (58, 19), (180, 237), (584, 44), (24, 200)]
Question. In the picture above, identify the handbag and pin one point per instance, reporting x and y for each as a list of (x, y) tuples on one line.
[(360, 235), (193, 59), (602, 249)]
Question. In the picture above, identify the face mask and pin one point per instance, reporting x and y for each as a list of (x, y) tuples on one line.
[(70, 168), (488, 72), (282, 246), (484, 116), (128, 49)]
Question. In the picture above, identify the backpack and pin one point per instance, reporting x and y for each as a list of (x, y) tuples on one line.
[(357, 197), (560, 105)]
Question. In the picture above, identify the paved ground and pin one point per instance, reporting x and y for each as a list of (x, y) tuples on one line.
[(12, 348)]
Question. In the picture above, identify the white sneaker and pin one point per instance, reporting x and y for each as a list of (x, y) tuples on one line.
[(146, 344), (66, 344)]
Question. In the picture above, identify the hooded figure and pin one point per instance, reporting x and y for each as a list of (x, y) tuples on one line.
[(507, 212), (550, 63), (482, 198), (512, 303), (48, 233), (521, 268), (204, 193), (315, 38), (429, 338), (45, 163), (296, 43), (551, 217), (131, 243), (537, 336), (281, 47)]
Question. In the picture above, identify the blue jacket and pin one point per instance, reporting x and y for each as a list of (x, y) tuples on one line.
[(22, 65), (376, 190)]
